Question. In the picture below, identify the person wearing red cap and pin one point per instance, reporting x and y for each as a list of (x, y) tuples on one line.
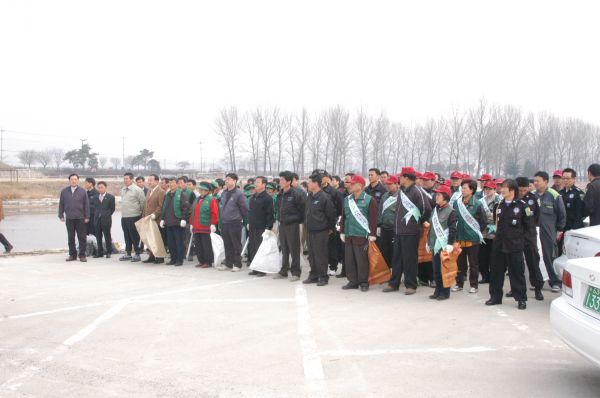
[(387, 217), (419, 180), (557, 176), (472, 220), (412, 209), (442, 235), (456, 178), (359, 227), (375, 188), (482, 180), (489, 201)]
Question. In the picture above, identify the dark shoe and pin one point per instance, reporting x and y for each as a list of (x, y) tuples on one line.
[(198, 265), (179, 263), (349, 286), (442, 298), (522, 305), (125, 257), (253, 273), (408, 291), (71, 258), (390, 289), (484, 281), (322, 283), (342, 275), (159, 261), (171, 263), (108, 255), (97, 255), (205, 266), (434, 296), (364, 288), (136, 258), (309, 281), (83, 259), (493, 302), (149, 260), (509, 294), (538, 295)]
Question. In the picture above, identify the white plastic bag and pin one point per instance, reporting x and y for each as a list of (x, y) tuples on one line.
[(267, 258), (218, 248)]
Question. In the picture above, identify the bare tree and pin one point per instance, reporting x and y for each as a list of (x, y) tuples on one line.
[(27, 157), (479, 123), (102, 161), (44, 157), (229, 128), (251, 129), (57, 154), (302, 135), (456, 129), (116, 162), (363, 128)]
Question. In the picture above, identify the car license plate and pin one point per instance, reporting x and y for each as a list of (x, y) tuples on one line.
[(592, 299)]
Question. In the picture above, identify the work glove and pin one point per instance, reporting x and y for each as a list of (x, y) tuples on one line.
[(449, 249), (378, 231), (191, 228), (153, 216), (182, 223), (372, 238), (162, 223), (213, 229), (343, 237), (337, 227), (427, 248)]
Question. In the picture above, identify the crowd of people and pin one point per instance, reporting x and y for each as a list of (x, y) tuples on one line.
[(496, 223)]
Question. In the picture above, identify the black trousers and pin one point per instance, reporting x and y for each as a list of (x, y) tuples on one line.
[(289, 240), (254, 241), (513, 262), (163, 235), (132, 237), (334, 247), (357, 263), (175, 236), (532, 259), (485, 257), (425, 271), (79, 227), (470, 254), (386, 245), (232, 240), (5, 242), (440, 290), (405, 261), (90, 226), (203, 247), (318, 243), (103, 229)]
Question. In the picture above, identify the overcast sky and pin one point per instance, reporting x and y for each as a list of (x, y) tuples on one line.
[(158, 72)]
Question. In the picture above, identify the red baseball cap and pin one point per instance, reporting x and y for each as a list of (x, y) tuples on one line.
[(490, 184), (419, 175), (456, 175), (499, 181), (356, 179), (408, 170), (466, 177), (444, 189), (392, 180), (447, 183), (557, 173), (429, 176), (486, 177)]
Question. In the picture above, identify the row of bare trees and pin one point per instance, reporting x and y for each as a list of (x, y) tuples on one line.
[(499, 139)]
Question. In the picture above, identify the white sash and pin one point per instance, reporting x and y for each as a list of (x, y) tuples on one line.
[(357, 214), (469, 219), (454, 197), (441, 235), (388, 202), (411, 209)]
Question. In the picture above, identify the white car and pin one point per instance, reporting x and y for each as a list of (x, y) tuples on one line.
[(578, 243), (575, 315)]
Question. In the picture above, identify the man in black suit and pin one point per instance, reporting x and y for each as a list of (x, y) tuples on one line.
[(105, 207), (92, 193)]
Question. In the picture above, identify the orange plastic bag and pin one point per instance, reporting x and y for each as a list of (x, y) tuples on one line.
[(424, 257), (379, 272), (449, 266)]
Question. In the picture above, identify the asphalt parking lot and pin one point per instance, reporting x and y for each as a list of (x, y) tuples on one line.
[(111, 329)]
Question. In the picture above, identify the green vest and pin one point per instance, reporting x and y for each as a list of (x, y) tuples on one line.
[(387, 219), (443, 215), (204, 217), (351, 226), (176, 203), (463, 230)]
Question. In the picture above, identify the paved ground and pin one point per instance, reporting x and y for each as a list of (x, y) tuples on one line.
[(106, 329)]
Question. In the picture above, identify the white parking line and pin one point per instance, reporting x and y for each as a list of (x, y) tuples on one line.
[(438, 350), (217, 300), (311, 359)]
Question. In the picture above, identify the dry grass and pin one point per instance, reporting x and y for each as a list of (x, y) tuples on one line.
[(43, 188)]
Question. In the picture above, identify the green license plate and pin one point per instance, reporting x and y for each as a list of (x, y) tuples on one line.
[(592, 299)]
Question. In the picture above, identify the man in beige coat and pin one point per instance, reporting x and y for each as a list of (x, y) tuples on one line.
[(153, 208)]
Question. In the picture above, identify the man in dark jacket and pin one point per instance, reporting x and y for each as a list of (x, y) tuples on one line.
[(592, 194), (260, 218), (573, 199), (104, 205), (175, 213), (375, 188), (234, 209), (291, 202), (92, 193), (412, 209), (335, 246), (320, 222), (74, 211)]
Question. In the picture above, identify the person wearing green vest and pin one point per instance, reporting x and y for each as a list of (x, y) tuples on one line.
[(472, 221), (442, 234), (359, 227), (174, 214), (203, 221)]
